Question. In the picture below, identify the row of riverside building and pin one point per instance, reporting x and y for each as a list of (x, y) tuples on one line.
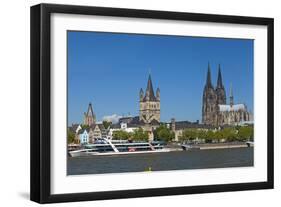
[(216, 113)]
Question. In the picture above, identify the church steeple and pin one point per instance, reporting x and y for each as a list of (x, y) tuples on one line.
[(89, 117), (209, 100), (220, 91), (219, 81), (149, 112), (209, 80), (149, 94)]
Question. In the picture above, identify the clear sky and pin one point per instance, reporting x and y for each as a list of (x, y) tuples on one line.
[(109, 69)]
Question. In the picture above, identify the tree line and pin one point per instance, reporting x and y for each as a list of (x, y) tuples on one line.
[(163, 133), (137, 135), (228, 134)]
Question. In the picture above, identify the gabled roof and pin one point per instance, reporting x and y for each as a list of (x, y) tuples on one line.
[(126, 119), (180, 125), (81, 131), (135, 120), (101, 126), (73, 127), (93, 126), (115, 126), (235, 107), (154, 122)]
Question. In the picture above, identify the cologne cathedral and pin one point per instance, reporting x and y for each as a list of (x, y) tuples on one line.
[(216, 111)]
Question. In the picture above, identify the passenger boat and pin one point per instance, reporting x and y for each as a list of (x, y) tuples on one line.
[(113, 147)]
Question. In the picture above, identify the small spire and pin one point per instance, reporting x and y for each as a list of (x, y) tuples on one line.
[(158, 94), (141, 94), (231, 95)]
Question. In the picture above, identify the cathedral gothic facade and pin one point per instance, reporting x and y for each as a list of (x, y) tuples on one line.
[(215, 110), (149, 112)]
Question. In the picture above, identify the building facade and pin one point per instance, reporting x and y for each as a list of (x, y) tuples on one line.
[(215, 110), (96, 131), (178, 127), (84, 137)]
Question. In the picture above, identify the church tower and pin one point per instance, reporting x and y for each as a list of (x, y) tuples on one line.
[(220, 91), (149, 104), (89, 117), (209, 108)]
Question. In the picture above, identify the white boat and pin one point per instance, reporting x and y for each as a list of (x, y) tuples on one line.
[(250, 144), (189, 147), (106, 147)]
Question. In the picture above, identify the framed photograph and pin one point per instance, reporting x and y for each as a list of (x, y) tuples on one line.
[(133, 103)]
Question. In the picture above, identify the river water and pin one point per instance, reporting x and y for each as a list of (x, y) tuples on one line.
[(178, 160)]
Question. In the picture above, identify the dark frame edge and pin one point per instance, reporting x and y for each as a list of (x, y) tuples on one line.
[(270, 102), (35, 25), (40, 104), (155, 14), (156, 192)]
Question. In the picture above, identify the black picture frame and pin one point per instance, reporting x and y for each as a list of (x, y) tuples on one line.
[(41, 99)]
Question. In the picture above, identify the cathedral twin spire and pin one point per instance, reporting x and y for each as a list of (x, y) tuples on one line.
[(209, 79), (214, 96)]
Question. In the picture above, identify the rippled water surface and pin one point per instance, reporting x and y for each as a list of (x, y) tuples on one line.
[(219, 158)]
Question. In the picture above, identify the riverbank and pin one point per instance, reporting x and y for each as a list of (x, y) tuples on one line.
[(221, 146), (207, 146)]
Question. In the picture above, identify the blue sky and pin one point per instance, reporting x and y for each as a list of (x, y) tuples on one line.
[(108, 69)]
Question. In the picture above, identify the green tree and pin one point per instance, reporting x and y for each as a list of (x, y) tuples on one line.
[(140, 134), (210, 136), (70, 136), (106, 124), (202, 134), (164, 133), (218, 135), (120, 134), (190, 134), (246, 133), (84, 126), (230, 134)]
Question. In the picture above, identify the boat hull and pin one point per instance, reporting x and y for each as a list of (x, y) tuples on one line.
[(116, 153), (128, 153)]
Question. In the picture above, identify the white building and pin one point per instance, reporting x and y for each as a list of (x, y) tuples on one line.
[(121, 126)]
